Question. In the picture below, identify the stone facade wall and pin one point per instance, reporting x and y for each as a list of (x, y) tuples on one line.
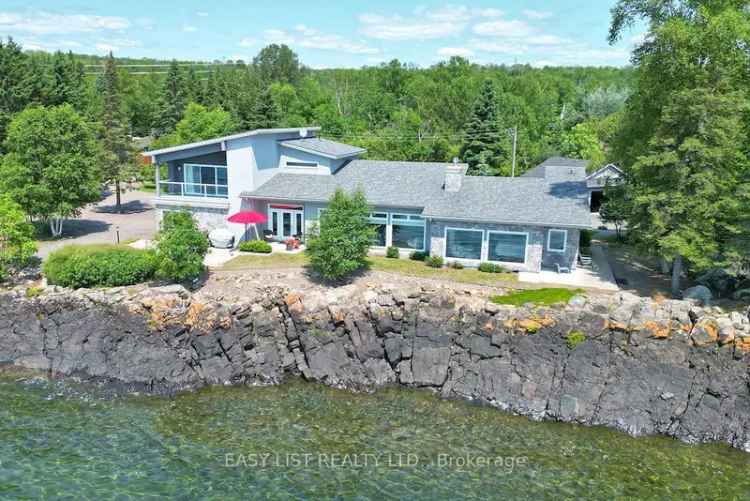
[(208, 218), (537, 255), (534, 243), (569, 258)]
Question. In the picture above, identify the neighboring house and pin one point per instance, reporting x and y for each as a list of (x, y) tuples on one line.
[(596, 181), (525, 223)]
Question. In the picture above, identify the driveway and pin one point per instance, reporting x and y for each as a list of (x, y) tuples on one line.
[(99, 223)]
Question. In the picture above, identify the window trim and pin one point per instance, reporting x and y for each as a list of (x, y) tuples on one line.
[(525, 250), (467, 259), (421, 222), (371, 219), (565, 240), (185, 165)]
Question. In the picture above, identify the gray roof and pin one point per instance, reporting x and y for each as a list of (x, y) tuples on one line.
[(324, 147), (398, 184), (554, 165), (524, 201), (531, 201)]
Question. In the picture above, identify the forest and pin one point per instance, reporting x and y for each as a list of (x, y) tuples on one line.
[(398, 111)]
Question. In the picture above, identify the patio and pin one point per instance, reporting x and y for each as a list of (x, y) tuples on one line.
[(598, 276), (216, 258)]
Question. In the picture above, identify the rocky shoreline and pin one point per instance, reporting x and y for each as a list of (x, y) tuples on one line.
[(642, 367)]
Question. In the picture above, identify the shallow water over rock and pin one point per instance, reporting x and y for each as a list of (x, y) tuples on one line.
[(307, 441)]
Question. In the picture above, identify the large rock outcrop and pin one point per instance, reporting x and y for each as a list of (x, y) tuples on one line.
[(644, 368)]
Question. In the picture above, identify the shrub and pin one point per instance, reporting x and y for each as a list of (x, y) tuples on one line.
[(180, 248), (32, 292), (17, 245), (392, 252), (78, 266), (456, 265), (259, 246), (434, 261), (344, 238), (491, 268), (585, 238), (574, 339), (418, 256)]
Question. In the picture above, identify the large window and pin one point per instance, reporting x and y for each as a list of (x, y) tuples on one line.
[(408, 231), (379, 221), (507, 247), (557, 240), (206, 180), (463, 244)]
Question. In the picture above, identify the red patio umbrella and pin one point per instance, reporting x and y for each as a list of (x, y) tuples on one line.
[(248, 217)]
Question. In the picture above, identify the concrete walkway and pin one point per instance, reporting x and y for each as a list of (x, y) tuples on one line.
[(599, 276), (99, 223)]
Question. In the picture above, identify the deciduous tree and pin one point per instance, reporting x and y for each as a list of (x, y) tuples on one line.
[(51, 168)]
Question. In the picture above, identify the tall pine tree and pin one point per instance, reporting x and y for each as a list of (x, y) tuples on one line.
[(482, 149), (118, 161), (172, 102), (68, 82)]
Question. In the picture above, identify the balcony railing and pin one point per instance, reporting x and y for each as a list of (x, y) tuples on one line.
[(175, 189)]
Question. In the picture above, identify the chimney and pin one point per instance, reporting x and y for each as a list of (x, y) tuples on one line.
[(453, 177)]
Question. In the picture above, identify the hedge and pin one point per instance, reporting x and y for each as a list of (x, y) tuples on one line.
[(79, 266), (259, 246)]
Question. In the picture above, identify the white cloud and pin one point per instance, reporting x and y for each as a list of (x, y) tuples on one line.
[(311, 38), (639, 38), (115, 44), (201, 14), (537, 14), (499, 47), (189, 29), (398, 28), (455, 51), (239, 57), (45, 23), (547, 40), (105, 47), (504, 28), (34, 43), (425, 23), (248, 42), (278, 36)]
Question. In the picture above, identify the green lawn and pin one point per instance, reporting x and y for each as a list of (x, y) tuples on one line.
[(406, 267), (275, 260), (537, 296)]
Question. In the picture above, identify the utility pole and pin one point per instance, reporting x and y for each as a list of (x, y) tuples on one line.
[(514, 132)]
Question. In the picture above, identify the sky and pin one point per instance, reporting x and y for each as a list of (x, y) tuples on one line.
[(350, 33)]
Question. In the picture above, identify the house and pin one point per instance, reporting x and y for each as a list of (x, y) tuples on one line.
[(596, 182), (525, 223)]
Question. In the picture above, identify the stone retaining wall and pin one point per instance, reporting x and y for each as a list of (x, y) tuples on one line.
[(644, 368)]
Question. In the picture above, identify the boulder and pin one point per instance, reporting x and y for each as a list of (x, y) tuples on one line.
[(720, 281), (742, 295), (705, 332), (700, 294)]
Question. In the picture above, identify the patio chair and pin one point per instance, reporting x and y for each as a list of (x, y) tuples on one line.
[(562, 269), (268, 236)]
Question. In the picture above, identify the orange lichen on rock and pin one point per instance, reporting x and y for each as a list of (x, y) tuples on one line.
[(659, 331)]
